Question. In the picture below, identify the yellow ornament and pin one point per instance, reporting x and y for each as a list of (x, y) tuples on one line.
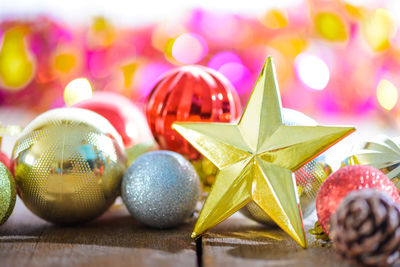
[(69, 163), (17, 65), (256, 158)]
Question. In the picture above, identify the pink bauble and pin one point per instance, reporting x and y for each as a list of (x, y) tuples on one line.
[(127, 119), (349, 178)]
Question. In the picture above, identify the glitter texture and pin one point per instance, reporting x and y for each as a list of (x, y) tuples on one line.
[(160, 189), (345, 180), (7, 193), (68, 165)]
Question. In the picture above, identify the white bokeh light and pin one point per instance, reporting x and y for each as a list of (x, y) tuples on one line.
[(312, 71), (77, 90)]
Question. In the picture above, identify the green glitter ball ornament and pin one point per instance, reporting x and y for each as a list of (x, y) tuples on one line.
[(7, 193)]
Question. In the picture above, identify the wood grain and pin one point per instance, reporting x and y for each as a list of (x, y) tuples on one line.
[(114, 239), (242, 242)]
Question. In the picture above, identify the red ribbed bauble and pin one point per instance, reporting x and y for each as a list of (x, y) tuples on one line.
[(189, 93), (127, 119), (349, 178)]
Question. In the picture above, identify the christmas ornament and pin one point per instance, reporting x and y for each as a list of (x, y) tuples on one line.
[(11, 130), (256, 158), (347, 179), (160, 189), (365, 229), (189, 93), (68, 165), (318, 232), (5, 159), (382, 153), (309, 178), (126, 118), (7, 193), (207, 172), (135, 151)]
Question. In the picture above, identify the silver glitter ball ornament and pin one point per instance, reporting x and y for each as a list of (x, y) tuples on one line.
[(161, 189), (309, 178)]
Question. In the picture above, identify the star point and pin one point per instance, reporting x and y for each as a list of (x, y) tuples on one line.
[(257, 157)]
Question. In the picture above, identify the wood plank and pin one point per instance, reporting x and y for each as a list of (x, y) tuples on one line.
[(114, 239), (239, 241)]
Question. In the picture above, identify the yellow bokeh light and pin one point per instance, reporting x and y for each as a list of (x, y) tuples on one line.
[(164, 32), (17, 65), (378, 29), (77, 90), (387, 94), (65, 62), (101, 33), (330, 27), (275, 19)]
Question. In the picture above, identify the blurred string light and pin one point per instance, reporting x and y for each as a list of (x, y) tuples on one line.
[(129, 60), (312, 71), (165, 32), (330, 27), (189, 48), (387, 94), (218, 28), (378, 29), (146, 76), (275, 19), (101, 33), (77, 90), (230, 65), (66, 60), (17, 64)]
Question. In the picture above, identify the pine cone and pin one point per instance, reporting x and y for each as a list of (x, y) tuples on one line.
[(365, 228)]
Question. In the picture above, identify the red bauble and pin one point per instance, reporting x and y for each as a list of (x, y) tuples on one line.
[(345, 180), (189, 93), (127, 119), (5, 160)]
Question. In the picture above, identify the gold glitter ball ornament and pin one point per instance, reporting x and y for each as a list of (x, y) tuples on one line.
[(68, 165), (7, 193)]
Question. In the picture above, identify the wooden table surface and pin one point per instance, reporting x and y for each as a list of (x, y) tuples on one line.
[(115, 239)]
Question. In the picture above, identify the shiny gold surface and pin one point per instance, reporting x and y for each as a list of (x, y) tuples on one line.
[(68, 165), (309, 179), (256, 158), (383, 153)]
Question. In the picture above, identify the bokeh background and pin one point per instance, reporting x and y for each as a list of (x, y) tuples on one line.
[(337, 61)]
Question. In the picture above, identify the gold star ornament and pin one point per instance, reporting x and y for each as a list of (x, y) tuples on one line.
[(257, 157)]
